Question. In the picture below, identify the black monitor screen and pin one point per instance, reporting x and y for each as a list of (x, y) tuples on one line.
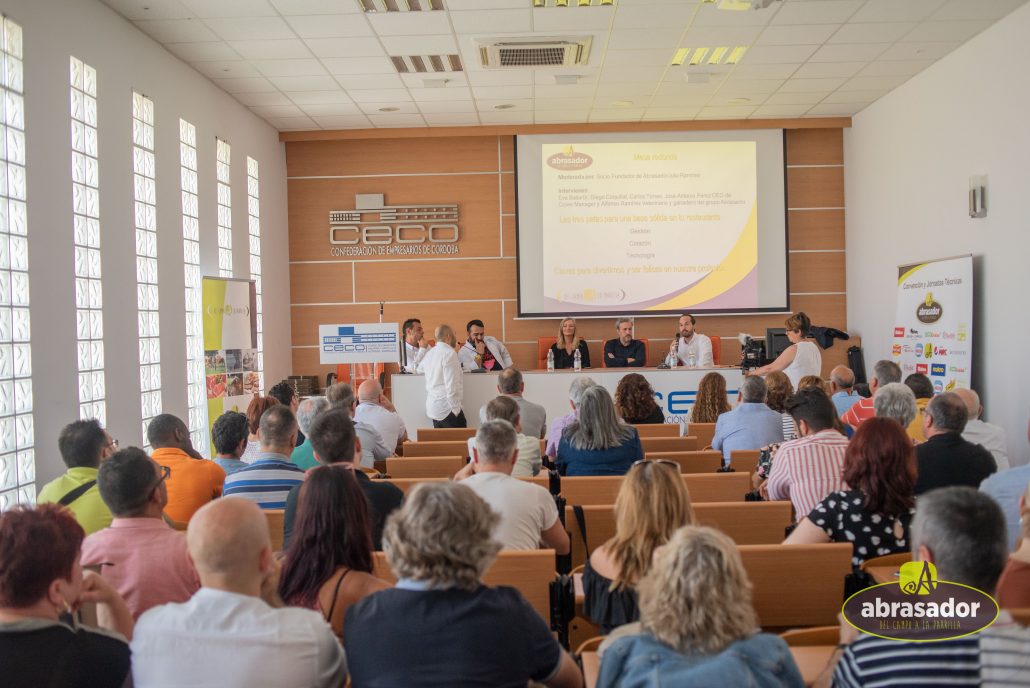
[(776, 342)]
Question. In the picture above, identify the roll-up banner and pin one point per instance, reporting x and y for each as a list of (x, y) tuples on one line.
[(933, 330), (230, 346)]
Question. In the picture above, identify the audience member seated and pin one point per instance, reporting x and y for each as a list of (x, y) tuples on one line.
[(269, 479), (576, 389), (799, 359), (229, 436), (697, 625), (233, 631), (962, 533), (884, 372), (875, 512), (534, 417), (529, 461), (528, 514), (778, 390), (328, 566), (624, 351), (376, 409), (1007, 488), (286, 394), (303, 456), (255, 409), (140, 555), (814, 381), (991, 436), (922, 388), (752, 425), (634, 401), (374, 451), (194, 481), (711, 400), (83, 446), (809, 468), (565, 348), (441, 627), (896, 401), (945, 458), (652, 503), (481, 351), (332, 438), (598, 442), (41, 585), (842, 389), (1014, 585)]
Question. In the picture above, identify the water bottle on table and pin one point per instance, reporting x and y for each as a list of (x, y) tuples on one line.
[(577, 360), (550, 360)]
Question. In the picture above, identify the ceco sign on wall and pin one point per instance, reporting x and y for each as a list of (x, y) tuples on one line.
[(376, 229)]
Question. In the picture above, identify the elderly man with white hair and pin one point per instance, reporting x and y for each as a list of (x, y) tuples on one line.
[(990, 436), (376, 409), (303, 455), (896, 400)]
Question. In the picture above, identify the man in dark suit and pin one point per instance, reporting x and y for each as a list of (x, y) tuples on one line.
[(945, 458)]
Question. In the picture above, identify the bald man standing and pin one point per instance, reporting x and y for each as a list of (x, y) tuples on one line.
[(444, 386), (234, 631), (991, 436)]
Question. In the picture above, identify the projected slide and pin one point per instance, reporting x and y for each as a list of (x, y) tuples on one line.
[(651, 222), (650, 226)]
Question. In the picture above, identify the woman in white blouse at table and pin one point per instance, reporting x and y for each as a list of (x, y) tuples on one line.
[(799, 359)]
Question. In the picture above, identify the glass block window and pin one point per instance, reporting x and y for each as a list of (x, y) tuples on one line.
[(254, 229), (89, 304), (145, 194), (196, 399), (17, 459), (222, 174)]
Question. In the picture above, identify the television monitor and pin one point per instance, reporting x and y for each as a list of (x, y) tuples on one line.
[(776, 342)]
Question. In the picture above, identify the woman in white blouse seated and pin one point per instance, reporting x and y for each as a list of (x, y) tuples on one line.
[(799, 359)]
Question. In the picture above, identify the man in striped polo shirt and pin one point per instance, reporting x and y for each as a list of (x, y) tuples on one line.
[(807, 469), (271, 476)]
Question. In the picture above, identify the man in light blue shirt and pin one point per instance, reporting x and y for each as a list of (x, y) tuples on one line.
[(752, 425), (1006, 487), (842, 384)]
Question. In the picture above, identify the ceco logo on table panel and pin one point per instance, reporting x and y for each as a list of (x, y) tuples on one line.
[(919, 607), (376, 229)]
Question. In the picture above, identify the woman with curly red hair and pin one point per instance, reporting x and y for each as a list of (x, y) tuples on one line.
[(634, 401)]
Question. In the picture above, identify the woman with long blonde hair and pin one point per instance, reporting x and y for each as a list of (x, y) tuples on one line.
[(711, 399), (564, 350), (652, 503)]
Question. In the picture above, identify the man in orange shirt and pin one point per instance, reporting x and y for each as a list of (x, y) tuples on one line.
[(194, 480)]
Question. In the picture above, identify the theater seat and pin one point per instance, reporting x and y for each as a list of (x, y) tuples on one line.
[(542, 346), (604, 359), (716, 349)]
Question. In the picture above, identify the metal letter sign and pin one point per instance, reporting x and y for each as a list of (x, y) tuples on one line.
[(375, 229), (358, 343)]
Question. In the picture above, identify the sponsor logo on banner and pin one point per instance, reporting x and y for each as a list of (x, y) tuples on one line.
[(920, 607), (921, 368), (929, 311), (908, 368), (928, 351), (948, 335), (569, 160), (940, 351), (938, 386), (896, 350), (962, 333), (229, 310), (919, 351), (899, 331), (912, 332), (938, 369), (956, 369), (907, 348), (376, 229)]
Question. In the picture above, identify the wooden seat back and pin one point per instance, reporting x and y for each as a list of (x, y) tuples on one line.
[(276, 523), (703, 487), (443, 448), (704, 432), (406, 484), (657, 429), (708, 461), (744, 460), (669, 444), (444, 434), (895, 560), (797, 585), (529, 571), (808, 637), (424, 466)]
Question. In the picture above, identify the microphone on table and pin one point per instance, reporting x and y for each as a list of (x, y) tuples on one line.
[(664, 365)]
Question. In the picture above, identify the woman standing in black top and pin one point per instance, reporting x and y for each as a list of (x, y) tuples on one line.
[(41, 587), (565, 348)]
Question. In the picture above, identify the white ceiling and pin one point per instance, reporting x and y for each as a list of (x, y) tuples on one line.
[(324, 64)]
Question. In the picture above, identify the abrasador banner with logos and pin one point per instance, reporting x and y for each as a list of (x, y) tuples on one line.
[(933, 329), (231, 366)]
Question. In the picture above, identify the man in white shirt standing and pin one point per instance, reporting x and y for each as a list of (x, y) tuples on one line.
[(444, 386), (235, 629), (482, 351), (689, 341), (991, 436), (529, 517), (415, 345), (376, 409)]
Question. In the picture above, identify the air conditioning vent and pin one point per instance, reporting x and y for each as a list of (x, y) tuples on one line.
[(514, 53)]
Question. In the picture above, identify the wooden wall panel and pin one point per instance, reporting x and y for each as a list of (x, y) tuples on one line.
[(436, 280), (508, 194), (816, 229), (508, 236), (322, 283), (815, 147), (391, 156), (815, 187), (507, 145), (816, 272), (304, 320)]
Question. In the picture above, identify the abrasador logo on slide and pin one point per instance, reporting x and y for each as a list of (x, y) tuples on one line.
[(569, 160)]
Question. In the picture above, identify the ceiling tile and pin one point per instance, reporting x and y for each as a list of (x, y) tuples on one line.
[(617, 114), (226, 69), (304, 98), (658, 38), (562, 19), (380, 95), (752, 85), (823, 70), (812, 85), (548, 104), (448, 93), (278, 111), (734, 111), (506, 117), (331, 109), (451, 119), (825, 12), (836, 110), (871, 33), (647, 16), (244, 85), (271, 50), (395, 119), (795, 98), (849, 52), (727, 97), (556, 91), (486, 4), (177, 30), (708, 36), (892, 10), (289, 67), (854, 96), (302, 7), (710, 15), (501, 21), (359, 66), (447, 106), (140, 10), (780, 110), (199, 52), (491, 92), (292, 123), (643, 58), (772, 54), (687, 90), (272, 98), (498, 77), (345, 47), (372, 81), (765, 71), (402, 108), (345, 122), (250, 28), (613, 71), (983, 9), (305, 83), (409, 23), (918, 51), (670, 114), (946, 31), (330, 25), (874, 83), (420, 45), (796, 34), (487, 105), (895, 67), (632, 88), (555, 117), (205, 9)]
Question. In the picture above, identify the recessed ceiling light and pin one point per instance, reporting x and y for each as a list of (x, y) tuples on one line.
[(504, 106), (389, 109), (566, 79), (698, 77)]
